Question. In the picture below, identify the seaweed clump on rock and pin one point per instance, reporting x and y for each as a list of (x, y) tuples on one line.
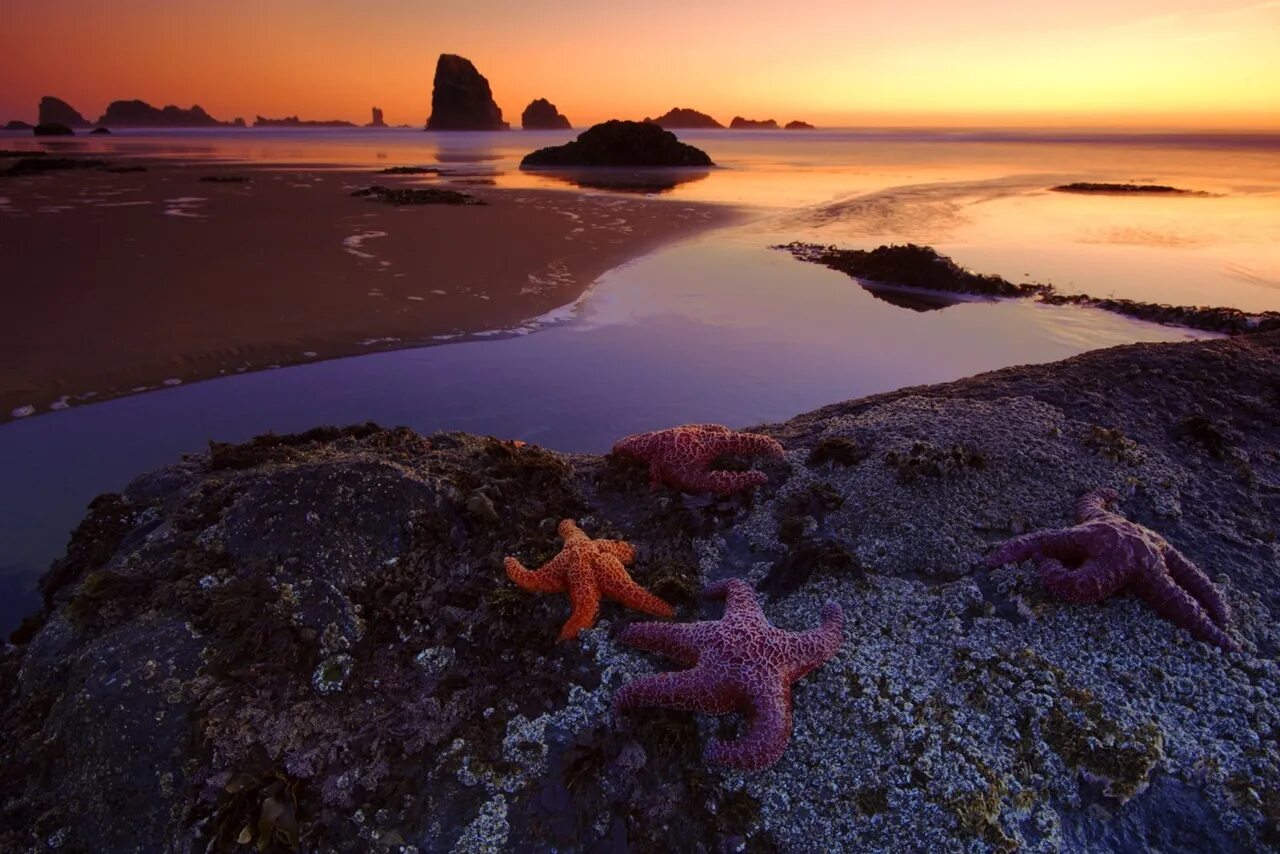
[(620, 143)]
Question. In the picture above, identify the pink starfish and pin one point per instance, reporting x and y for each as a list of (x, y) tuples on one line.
[(679, 457), (1106, 552), (739, 662)]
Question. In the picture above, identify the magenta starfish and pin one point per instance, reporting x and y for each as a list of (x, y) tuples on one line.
[(740, 662), (679, 457), (1106, 552)]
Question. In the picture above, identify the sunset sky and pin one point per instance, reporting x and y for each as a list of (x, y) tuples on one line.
[(1177, 63)]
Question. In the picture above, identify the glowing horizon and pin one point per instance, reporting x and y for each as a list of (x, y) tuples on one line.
[(1101, 63)]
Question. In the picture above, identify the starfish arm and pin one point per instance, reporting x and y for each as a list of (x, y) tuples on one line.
[(1021, 548), (677, 641), (685, 690), (624, 552), (1086, 584), (817, 646), (747, 444), (709, 428), (719, 482), (1174, 604), (737, 594), (621, 587), (768, 731), (585, 601), (570, 532), (1189, 577), (545, 580), (1096, 504)]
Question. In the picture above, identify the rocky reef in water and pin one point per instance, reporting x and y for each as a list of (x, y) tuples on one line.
[(376, 121), (295, 122), (925, 269), (541, 114), (308, 641), (1124, 189), (739, 123), (461, 98), (135, 113), (57, 111), (683, 118), (619, 143)]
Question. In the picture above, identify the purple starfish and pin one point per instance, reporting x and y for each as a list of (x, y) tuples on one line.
[(1106, 552), (740, 662)]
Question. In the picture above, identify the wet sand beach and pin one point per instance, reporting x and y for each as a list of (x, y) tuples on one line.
[(137, 280)]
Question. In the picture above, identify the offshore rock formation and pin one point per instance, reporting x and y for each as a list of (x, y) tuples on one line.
[(377, 121), (1125, 189), (52, 129), (57, 111), (887, 269), (305, 639), (1105, 553), (295, 122), (541, 114), (461, 98), (739, 663), (15, 124), (619, 143), (137, 113), (799, 125), (679, 118), (680, 457), (739, 123), (588, 570)]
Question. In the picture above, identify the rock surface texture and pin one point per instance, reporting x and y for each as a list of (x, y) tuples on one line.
[(308, 641), (461, 98), (543, 115), (619, 143)]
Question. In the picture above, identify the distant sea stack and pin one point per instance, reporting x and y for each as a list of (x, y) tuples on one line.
[(739, 123), (295, 122), (377, 119), (682, 118), (140, 114), (543, 115), (619, 143), (799, 125), (52, 129), (461, 98), (16, 125), (99, 131), (55, 111)]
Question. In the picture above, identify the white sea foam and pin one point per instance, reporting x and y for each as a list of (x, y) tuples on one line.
[(23, 411), (355, 243)]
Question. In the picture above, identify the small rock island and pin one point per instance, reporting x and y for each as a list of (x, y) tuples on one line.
[(543, 115), (739, 123), (683, 118), (57, 111), (461, 98), (619, 143), (137, 113)]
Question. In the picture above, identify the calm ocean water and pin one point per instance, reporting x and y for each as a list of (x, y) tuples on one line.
[(718, 328)]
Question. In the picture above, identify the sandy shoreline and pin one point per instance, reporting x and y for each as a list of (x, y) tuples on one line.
[(122, 282)]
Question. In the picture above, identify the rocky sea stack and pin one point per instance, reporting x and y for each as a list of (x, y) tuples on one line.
[(137, 113), (799, 125), (57, 111), (52, 129), (543, 115), (461, 98), (309, 642), (377, 121), (739, 123), (15, 124), (683, 118), (619, 143)]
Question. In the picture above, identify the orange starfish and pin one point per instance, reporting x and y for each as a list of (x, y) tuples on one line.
[(588, 570)]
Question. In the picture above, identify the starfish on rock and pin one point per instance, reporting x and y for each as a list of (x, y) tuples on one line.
[(680, 456), (588, 570), (1106, 552), (739, 662)]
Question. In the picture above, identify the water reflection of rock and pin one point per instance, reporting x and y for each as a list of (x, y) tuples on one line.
[(645, 180), (910, 298)]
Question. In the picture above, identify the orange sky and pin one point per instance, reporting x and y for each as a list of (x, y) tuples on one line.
[(1186, 63)]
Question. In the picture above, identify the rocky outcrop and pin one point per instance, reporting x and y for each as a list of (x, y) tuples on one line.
[(461, 98), (137, 113), (52, 129), (295, 122), (377, 121), (739, 123), (100, 131), (308, 641), (15, 124), (684, 118), (57, 111), (799, 125), (543, 115), (619, 143)]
